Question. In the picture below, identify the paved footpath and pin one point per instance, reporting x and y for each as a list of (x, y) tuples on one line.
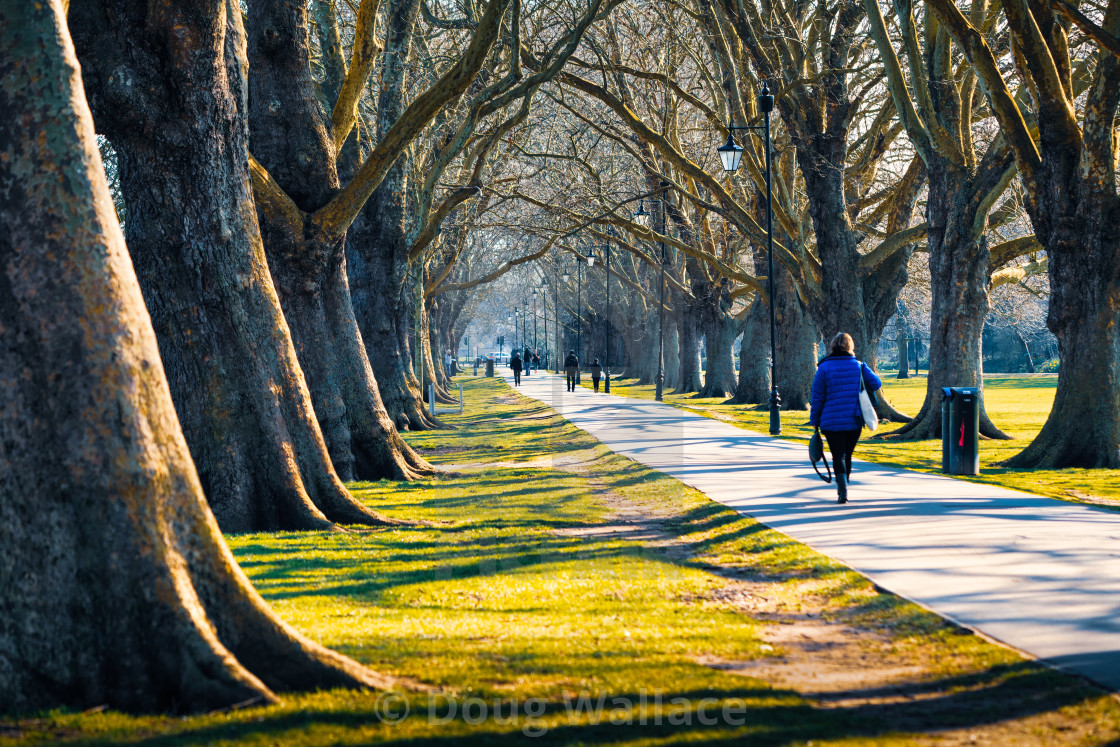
[(1039, 574)]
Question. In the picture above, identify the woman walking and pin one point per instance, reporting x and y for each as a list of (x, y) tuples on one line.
[(596, 374), (835, 405), (515, 364)]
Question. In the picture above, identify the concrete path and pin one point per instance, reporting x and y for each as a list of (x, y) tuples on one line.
[(1039, 574)]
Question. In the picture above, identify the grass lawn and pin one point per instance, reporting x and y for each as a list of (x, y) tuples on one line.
[(563, 594), (1017, 403)]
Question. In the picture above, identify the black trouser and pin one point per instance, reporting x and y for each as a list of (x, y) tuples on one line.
[(573, 375), (842, 444), (516, 377), (595, 382)]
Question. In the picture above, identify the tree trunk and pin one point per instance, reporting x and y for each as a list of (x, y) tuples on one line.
[(116, 585), (960, 272), (383, 303), (720, 330), (290, 139), (903, 355), (1027, 358), (642, 347), (797, 344), (239, 392), (1079, 233), (384, 282), (688, 347), (754, 368), (859, 301), (672, 352)]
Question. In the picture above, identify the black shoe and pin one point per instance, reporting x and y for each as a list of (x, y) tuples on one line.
[(841, 499)]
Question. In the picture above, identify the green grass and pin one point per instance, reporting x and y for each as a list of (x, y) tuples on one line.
[(506, 598), (1017, 404)]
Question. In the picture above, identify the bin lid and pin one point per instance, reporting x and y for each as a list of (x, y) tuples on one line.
[(965, 391), (946, 392)]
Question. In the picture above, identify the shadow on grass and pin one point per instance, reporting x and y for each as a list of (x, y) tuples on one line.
[(713, 716)]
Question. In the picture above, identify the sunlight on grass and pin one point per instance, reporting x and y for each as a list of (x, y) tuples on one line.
[(507, 600)]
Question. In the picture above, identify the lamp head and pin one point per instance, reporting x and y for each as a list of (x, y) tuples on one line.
[(765, 99), (641, 215), (730, 154)]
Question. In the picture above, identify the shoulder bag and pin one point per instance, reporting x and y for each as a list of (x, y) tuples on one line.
[(866, 408)]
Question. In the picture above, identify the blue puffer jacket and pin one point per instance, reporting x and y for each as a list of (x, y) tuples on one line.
[(835, 404)]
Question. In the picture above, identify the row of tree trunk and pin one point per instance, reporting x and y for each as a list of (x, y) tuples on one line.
[(115, 583)]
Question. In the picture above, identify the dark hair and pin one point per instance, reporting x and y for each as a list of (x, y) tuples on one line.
[(842, 344)]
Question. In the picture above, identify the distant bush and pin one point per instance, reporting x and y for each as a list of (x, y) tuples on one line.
[(1050, 366)]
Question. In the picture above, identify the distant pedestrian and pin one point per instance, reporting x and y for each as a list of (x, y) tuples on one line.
[(835, 405), (536, 361), (571, 368), (528, 361), (596, 374), (515, 364)]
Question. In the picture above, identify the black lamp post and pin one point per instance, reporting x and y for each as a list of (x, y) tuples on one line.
[(643, 216), (731, 154), (607, 326), (556, 312), (567, 278), (590, 259)]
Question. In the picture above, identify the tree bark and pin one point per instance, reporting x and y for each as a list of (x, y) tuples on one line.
[(753, 386), (797, 345), (797, 360), (1078, 223), (378, 247), (672, 352), (290, 138), (116, 585), (688, 346), (960, 273), (720, 330), (239, 391)]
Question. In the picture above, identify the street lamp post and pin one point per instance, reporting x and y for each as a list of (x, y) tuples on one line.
[(607, 326), (642, 216), (731, 154), (590, 259), (579, 313), (556, 309), (543, 300)]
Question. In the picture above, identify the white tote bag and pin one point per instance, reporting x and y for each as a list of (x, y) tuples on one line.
[(870, 417)]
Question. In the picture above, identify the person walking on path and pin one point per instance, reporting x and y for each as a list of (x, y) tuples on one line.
[(571, 367), (515, 364), (536, 361), (596, 374), (835, 405)]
